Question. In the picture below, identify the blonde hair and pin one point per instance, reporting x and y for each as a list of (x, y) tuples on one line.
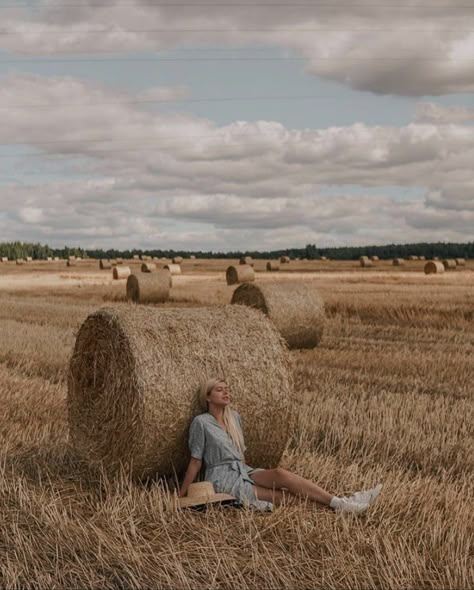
[(228, 418)]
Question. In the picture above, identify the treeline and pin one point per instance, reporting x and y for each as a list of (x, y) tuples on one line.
[(428, 249)]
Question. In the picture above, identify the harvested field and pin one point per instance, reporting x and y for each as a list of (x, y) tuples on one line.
[(386, 396)]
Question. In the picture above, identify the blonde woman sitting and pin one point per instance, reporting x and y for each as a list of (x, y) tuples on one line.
[(216, 438)]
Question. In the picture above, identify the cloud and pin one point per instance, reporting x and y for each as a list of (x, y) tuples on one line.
[(411, 49), (428, 112)]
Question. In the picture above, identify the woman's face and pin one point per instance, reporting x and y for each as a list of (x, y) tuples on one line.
[(219, 394)]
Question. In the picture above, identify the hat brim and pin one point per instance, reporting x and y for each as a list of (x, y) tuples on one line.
[(214, 499)]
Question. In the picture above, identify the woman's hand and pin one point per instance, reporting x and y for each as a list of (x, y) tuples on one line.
[(190, 475)]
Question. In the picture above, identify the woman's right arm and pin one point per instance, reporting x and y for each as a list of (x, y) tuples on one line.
[(191, 472)]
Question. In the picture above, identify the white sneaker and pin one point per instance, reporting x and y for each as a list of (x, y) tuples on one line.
[(367, 496), (348, 505)]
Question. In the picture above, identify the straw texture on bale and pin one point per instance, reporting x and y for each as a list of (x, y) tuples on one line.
[(434, 267), (273, 265), (374, 258), (365, 261), (246, 260), (151, 287), (241, 273), (284, 259), (121, 272), (177, 260), (449, 263), (148, 267), (398, 262), (296, 309), (104, 264), (460, 262), (134, 376), (174, 269)]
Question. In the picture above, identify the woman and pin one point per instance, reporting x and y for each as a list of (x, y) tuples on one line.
[(216, 438)]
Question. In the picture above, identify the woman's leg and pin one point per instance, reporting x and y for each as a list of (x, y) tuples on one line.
[(278, 478)]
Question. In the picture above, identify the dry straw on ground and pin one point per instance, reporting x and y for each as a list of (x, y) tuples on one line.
[(135, 373), (284, 259), (174, 269), (148, 267), (151, 287), (365, 262), (296, 309), (434, 267), (121, 272), (105, 264), (273, 265), (398, 262), (241, 273), (449, 263)]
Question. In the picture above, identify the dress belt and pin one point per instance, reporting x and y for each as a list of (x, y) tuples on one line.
[(236, 465)]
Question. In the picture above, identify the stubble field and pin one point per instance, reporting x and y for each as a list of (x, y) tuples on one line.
[(387, 397)]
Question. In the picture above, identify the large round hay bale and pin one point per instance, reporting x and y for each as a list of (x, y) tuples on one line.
[(177, 260), (374, 258), (20, 261), (135, 372), (434, 267), (296, 309), (4, 258), (113, 261), (273, 265), (29, 259), (145, 257), (121, 272), (148, 267), (104, 264), (365, 262), (174, 269), (460, 261), (246, 260), (449, 263), (242, 273), (284, 259), (151, 287), (398, 262)]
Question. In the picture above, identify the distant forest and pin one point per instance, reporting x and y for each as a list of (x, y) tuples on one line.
[(442, 249)]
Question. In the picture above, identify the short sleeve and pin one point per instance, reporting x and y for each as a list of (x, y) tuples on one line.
[(197, 439), (239, 422)]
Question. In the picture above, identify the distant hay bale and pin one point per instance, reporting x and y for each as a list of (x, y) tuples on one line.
[(134, 376), (284, 259), (460, 261), (71, 263), (273, 265), (412, 257), (435, 258), (421, 257), (105, 264), (192, 257), (145, 257), (242, 273), (71, 258), (29, 259), (246, 260), (119, 260), (177, 260), (4, 258), (434, 267), (56, 258), (174, 269), (113, 261), (136, 257), (148, 267), (20, 261), (398, 262), (323, 258), (365, 262), (296, 309), (49, 258), (121, 272), (151, 287), (374, 258), (449, 263), (78, 257)]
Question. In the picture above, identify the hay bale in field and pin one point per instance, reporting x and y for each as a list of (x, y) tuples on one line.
[(20, 261), (398, 262), (174, 269), (71, 258), (135, 372), (421, 257), (71, 263), (104, 264), (136, 257), (119, 260), (242, 273), (460, 261), (273, 265), (121, 272), (56, 258), (412, 257), (151, 287), (434, 267), (113, 261), (323, 258), (374, 258), (285, 259), (4, 258), (365, 262), (246, 260), (192, 257), (29, 259), (177, 260), (296, 309), (49, 258), (148, 267), (449, 263), (145, 257), (435, 258)]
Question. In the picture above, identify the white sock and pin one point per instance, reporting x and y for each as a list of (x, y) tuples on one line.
[(335, 502)]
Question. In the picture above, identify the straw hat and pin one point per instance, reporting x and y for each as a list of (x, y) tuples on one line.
[(202, 493)]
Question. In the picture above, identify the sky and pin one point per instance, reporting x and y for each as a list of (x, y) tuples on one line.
[(236, 125)]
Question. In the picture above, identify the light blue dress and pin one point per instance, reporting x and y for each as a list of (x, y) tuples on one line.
[(209, 442)]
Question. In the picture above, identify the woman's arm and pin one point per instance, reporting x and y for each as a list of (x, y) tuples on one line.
[(190, 475)]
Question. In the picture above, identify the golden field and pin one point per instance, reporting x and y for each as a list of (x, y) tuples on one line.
[(388, 396)]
